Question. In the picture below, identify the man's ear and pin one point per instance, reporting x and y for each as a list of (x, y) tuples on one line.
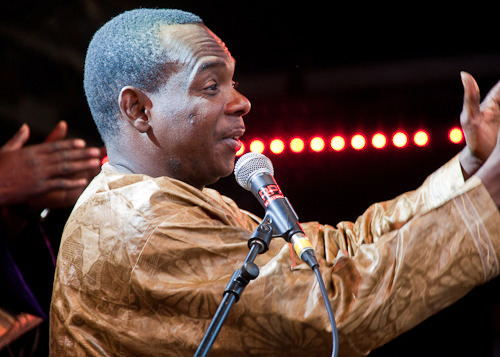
[(135, 107)]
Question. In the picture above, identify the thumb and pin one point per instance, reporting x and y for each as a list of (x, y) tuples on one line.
[(18, 140), (472, 98)]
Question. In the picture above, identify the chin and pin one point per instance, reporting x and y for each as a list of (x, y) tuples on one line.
[(224, 167), (224, 172)]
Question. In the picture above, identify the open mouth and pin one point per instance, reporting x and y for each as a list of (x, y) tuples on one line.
[(234, 142), (233, 139)]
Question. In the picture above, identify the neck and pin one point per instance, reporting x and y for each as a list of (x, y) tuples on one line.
[(120, 159), (130, 164)]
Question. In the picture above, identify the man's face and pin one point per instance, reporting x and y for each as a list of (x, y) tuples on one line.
[(197, 115)]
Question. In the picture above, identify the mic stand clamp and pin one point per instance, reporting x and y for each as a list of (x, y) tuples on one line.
[(258, 243)]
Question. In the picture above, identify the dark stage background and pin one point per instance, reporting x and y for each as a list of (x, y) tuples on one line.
[(313, 67)]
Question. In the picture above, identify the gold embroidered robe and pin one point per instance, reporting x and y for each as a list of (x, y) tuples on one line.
[(144, 261)]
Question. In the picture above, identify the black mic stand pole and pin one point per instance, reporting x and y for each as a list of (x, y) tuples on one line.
[(258, 244)]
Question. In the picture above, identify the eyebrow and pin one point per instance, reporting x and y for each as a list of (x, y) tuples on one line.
[(206, 65), (210, 64)]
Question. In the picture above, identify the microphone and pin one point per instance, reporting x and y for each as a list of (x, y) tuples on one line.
[(254, 172)]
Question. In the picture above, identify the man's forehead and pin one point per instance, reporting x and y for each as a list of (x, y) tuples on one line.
[(190, 43)]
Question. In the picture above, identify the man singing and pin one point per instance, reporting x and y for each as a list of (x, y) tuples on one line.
[(148, 249)]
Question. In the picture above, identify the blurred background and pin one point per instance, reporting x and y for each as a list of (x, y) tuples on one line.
[(310, 69)]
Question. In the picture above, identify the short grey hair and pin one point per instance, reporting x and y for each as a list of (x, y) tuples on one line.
[(127, 51)]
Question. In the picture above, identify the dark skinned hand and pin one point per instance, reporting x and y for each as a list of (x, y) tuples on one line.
[(48, 175)]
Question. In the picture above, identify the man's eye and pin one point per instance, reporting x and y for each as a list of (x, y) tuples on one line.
[(212, 87)]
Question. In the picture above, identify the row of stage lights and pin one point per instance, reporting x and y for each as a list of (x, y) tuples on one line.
[(339, 143)]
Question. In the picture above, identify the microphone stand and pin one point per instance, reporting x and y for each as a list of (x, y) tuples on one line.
[(258, 243)]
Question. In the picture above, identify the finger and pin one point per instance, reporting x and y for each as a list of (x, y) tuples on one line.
[(88, 174), (72, 155), (58, 133), (60, 145), (67, 168), (64, 184), (472, 97), (18, 140)]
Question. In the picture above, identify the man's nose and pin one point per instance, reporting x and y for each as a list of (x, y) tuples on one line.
[(239, 105)]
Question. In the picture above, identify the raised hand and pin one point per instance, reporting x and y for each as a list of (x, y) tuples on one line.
[(480, 123)]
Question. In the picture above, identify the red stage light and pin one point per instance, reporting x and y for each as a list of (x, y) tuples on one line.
[(297, 145), (421, 138), (379, 141), (358, 142), (317, 144), (400, 139), (456, 136), (257, 146), (337, 143), (277, 146)]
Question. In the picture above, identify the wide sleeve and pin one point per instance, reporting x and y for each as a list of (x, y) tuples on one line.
[(406, 259), (383, 217)]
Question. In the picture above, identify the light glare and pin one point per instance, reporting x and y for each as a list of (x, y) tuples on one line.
[(358, 142), (456, 136), (241, 150), (257, 146), (337, 143), (421, 138), (379, 141), (277, 146), (317, 144), (400, 139), (297, 145)]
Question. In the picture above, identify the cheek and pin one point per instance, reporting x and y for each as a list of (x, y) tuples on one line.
[(197, 112), (171, 124), (200, 122)]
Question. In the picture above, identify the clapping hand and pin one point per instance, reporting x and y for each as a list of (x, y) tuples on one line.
[(51, 174)]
